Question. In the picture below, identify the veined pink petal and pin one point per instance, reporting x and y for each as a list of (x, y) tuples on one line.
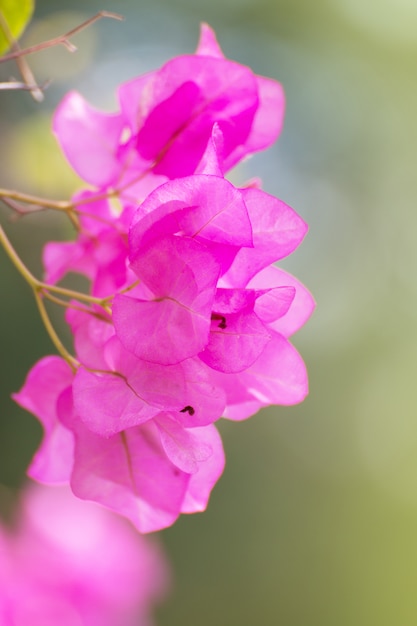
[(240, 403), (279, 375), (203, 207), (235, 342), (174, 326), (40, 394), (274, 303), (182, 445), (90, 336), (108, 404), (130, 474), (229, 301), (267, 123), (89, 139), (204, 399), (202, 482), (301, 307), (277, 231)]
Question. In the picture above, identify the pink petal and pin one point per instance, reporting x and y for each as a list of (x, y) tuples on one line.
[(236, 341), (267, 123), (203, 207), (302, 306), (229, 301), (279, 375), (175, 325), (107, 404), (59, 258), (130, 474), (182, 445), (131, 94), (89, 139), (212, 160), (202, 482), (208, 45), (90, 336), (40, 395), (274, 303), (277, 231), (204, 400)]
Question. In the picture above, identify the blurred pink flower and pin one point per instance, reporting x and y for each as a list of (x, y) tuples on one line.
[(72, 563)]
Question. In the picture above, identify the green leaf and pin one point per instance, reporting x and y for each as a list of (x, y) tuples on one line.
[(16, 15)]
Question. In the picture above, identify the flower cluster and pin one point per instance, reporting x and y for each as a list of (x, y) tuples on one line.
[(188, 319), (73, 563)]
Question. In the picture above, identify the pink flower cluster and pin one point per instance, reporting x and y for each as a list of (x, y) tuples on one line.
[(190, 320), (72, 563)]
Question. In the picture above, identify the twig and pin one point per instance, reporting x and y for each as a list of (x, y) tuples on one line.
[(15, 85), (22, 64), (62, 39)]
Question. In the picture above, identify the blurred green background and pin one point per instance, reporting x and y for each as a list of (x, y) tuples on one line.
[(314, 522)]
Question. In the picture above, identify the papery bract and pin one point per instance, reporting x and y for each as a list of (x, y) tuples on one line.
[(142, 472), (169, 115), (141, 475), (188, 320), (174, 324), (45, 383)]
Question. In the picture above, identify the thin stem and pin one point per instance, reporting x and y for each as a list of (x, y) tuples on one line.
[(70, 293), (72, 362), (22, 64), (64, 303), (38, 284), (75, 307), (61, 205), (17, 262), (122, 291), (62, 39), (17, 85)]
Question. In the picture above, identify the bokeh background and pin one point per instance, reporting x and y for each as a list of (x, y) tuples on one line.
[(314, 522)]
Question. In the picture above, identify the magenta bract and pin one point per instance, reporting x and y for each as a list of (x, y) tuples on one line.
[(194, 318)]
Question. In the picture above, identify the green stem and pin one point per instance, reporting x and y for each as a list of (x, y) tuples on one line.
[(70, 293), (38, 284), (29, 199), (20, 266), (72, 362)]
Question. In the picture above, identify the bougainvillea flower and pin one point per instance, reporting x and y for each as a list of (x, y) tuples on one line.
[(147, 473), (188, 319), (69, 562), (166, 119), (135, 390)]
